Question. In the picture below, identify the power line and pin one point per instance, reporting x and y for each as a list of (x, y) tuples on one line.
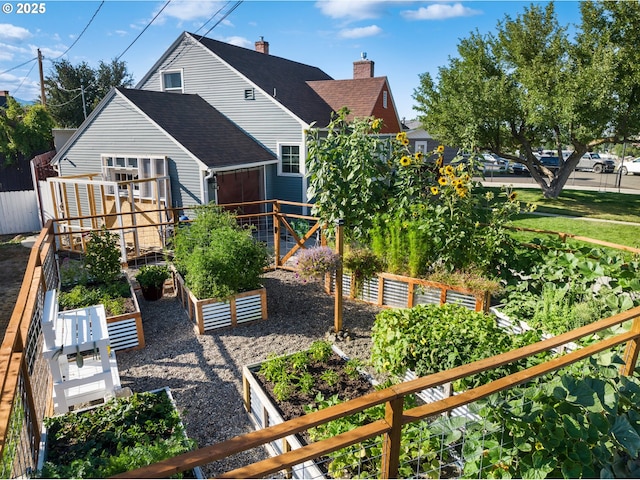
[(143, 30), (236, 5), (18, 66), (24, 79), (82, 33)]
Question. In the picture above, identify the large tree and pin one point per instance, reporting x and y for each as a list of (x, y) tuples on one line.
[(24, 131), (67, 86), (533, 85)]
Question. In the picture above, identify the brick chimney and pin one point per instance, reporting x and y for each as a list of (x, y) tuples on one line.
[(363, 68), (262, 46)]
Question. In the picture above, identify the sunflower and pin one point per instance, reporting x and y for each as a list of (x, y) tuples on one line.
[(462, 191), (442, 181), (440, 149), (405, 161), (419, 156), (405, 141), (434, 190), (439, 162), (456, 182), (375, 123), (512, 196), (401, 136), (449, 170)]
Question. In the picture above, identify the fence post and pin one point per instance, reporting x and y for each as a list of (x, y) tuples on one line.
[(391, 440), (632, 350), (276, 231), (337, 311)]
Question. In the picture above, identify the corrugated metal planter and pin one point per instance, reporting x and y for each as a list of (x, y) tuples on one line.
[(214, 314), (263, 413), (42, 452), (399, 291), (125, 331)]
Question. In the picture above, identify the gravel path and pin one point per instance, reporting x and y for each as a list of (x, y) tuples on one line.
[(204, 372)]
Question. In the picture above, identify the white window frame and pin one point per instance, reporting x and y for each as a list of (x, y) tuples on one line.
[(420, 146), (169, 72), (121, 167), (281, 171)]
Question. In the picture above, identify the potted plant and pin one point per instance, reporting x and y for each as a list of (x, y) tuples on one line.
[(151, 279)]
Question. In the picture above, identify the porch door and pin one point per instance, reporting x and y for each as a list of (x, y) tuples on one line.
[(241, 186)]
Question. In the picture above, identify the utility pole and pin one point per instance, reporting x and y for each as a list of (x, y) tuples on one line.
[(43, 99), (84, 105)]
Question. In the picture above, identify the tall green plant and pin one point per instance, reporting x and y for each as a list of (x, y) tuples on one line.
[(102, 256), (347, 170)]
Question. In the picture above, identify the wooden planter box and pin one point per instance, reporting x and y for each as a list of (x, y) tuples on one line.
[(42, 451), (263, 413), (214, 313), (398, 291), (125, 331)]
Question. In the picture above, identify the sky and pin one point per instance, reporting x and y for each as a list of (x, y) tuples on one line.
[(403, 38)]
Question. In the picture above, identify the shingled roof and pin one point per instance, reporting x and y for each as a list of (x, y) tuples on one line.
[(200, 128), (285, 79)]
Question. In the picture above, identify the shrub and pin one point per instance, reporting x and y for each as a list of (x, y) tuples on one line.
[(364, 264), (217, 257), (152, 275), (102, 256)]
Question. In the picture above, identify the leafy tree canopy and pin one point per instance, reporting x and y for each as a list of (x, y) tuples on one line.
[(66, 84), (533, 85), (24, 131)]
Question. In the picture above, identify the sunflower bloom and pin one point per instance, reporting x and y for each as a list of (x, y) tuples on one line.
[(401, 136), (440, 149), (405, 161), (434, 190), (419, 156), (405, 141), (442, 181), (462, 192), (439, 162), (448, 170), (375, 124), (456, 182), (513, 196)]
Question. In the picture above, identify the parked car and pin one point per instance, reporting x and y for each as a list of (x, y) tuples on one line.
[(518, 168), (592, 162), (485, 162), (552, 163), (632, 167)]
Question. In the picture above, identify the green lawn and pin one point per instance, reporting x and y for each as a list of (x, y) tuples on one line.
[(583, 205)]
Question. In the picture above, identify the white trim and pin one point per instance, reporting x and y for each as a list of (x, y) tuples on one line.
[(301, 169), (230, 168), (170, 71)]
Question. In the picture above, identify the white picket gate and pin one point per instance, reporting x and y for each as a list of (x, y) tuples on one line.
[(19, 212)]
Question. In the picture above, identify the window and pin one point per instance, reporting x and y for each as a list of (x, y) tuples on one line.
[(122, 168), (249, 94), (290, 158), (421, 146), (172, 81)]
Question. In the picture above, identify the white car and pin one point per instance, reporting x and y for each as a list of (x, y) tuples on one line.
[(632, 167)]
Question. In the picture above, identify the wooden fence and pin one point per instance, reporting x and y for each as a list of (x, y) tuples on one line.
[(26, 381)]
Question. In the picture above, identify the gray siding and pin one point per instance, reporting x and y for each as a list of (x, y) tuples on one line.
[(121, 129), (263, 118)]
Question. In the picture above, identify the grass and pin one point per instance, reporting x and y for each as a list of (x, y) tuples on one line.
[(584, 208)]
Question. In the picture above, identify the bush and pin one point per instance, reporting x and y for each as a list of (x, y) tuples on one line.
[(152, 275), (317, 261), (102, 256), (218, 258), (363, 264)]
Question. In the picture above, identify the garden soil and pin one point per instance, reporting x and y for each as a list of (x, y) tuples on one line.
[(13, 263)]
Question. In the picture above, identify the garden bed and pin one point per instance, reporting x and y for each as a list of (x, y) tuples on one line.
[(214, 314), (399, 291), (121, 435), (265, 409)]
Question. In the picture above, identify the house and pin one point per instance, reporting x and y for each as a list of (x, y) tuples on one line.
[(421, 141), (248, 139)]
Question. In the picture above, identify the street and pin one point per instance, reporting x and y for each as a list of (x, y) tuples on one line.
[(605, 182)]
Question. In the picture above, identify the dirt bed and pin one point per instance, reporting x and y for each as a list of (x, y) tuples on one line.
[(13, 262)]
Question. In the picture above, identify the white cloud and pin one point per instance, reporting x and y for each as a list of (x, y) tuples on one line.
[(352, 10), (188, 10), (11, 32), (440, 11), (361, 32), (239, 42)]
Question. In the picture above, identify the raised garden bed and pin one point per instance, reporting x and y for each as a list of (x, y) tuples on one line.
[(389, 290), (123, 434), (214, 314), (264, 409)]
